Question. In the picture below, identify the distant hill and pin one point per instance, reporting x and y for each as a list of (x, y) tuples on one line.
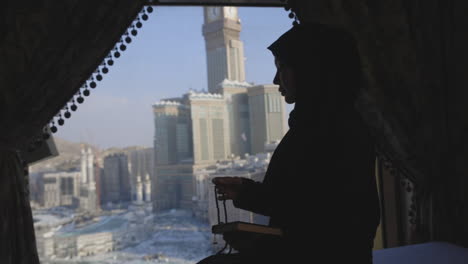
[(70, 154), (111, 151), (68, 159)]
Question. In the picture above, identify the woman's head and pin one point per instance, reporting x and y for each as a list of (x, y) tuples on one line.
[(286, 80), (315, 61)]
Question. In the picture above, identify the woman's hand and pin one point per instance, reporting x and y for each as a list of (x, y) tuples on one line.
[(241, 241), (228, 187)]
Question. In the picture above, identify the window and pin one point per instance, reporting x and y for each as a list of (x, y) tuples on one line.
[(139, 152)]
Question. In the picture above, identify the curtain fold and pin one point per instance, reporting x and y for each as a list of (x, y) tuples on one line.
[(48, 49), (17, 240), (415, 59)]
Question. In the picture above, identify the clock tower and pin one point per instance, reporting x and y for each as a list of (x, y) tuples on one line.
[(224, 50)]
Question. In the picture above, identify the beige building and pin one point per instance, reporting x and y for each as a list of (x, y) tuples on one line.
[(210, 127), (267, 119)]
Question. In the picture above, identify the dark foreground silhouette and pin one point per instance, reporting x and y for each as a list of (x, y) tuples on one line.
[(320, 185)]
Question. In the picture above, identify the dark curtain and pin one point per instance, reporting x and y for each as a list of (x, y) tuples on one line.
[(416, 62), (48, 49)]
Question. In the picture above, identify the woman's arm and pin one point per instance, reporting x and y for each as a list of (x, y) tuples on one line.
[(255, 197), (246, 194)]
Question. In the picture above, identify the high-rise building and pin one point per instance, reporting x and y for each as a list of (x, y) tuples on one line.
[(173, 155), (172, 136), (255, 112), (115, 180), (224, 49)]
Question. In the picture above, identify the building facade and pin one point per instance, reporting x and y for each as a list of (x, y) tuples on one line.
[(115, 179), (172, 137), (174, 187), (210, 127), (61, 189)]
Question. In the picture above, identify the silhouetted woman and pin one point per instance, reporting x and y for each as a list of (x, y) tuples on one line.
[(319, 187)]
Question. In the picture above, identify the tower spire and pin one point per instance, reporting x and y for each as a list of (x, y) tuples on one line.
[(224, 49)]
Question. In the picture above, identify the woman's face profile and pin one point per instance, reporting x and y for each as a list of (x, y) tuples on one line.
[(285, 79)]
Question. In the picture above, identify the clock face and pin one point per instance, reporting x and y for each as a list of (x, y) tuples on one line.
[(231, 12), (213, 13)]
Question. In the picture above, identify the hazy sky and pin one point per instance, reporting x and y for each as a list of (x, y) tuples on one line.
[(166, 59)]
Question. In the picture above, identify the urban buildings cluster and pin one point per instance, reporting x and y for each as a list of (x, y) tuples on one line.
[(101, 206), (75, 189), (117, 178)]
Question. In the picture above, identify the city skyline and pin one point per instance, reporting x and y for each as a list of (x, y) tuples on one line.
[(234, 118), (118, 112)]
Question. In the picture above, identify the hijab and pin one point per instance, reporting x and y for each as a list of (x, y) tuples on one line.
[(327, 68)]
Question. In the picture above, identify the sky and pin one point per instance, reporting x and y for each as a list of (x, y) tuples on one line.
[(165, 59)]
